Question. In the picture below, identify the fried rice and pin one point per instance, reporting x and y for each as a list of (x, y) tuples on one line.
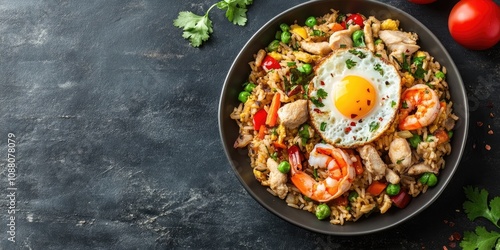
[(418, 67)]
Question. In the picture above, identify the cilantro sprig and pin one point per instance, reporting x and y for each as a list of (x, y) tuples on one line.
[(197, 29), (477, 206)]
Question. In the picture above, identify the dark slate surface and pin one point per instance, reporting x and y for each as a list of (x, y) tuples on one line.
[(117, 141)]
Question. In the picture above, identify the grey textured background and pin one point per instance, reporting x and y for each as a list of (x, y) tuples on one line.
[(118, 147)]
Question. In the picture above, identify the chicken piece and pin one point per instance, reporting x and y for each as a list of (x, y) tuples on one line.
[(399, 42), (242, 141), (396, 36), (400, 152), (318, 48), (293, 114), (369, 35), (342, 38), (391, 176), (277, 180), (375, 25), (260, 57), (420, 168), (387, 203), (372, 161)]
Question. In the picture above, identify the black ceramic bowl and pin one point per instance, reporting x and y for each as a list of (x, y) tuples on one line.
[(240, 162)]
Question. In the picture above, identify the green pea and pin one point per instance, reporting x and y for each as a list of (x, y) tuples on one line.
[(415, 140), (432, 180), (249, 86), (278, 35), (243, 96), (323, 211), (306, 68), (358, 38), (311, 21), (392, 189), (286, 37), (429, 179), (274, 45), (284, 27), (353, 196), (284, 167)]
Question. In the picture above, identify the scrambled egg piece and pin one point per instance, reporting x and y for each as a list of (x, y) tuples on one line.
[(407, 80), (389, 24), (275, 55)]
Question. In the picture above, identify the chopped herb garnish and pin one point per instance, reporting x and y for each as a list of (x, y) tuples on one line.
[(378, 68), (440, 75), (322, 126), (350, 63), (290, 64), (315, 174), (321, 93), (393, 103), (404, 105), (357, 53), (374, 126), (304, 133), (318, 33), (343, 46), (316, 102)]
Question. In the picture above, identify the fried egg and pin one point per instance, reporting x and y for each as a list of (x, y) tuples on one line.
[(353, 97)]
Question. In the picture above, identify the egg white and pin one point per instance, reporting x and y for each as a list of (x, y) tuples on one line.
[(348, 132)]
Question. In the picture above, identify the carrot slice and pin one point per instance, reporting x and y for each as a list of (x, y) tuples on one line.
[(272, 114), (337, 27), (376, 188), (262, 131), (441, 135), (279, 145)]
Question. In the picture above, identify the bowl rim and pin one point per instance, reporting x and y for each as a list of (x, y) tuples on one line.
[(464, 120)]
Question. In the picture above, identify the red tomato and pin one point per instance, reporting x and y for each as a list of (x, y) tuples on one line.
[(422, 1), (355, 19), (475, 24)]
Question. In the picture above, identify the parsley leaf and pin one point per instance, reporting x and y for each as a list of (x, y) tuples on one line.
[(480, 239), (235, 10), (477, 206), (197, 29)]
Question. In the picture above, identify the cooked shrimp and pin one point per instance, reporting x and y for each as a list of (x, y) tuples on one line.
[(420, 107), (338, 164)]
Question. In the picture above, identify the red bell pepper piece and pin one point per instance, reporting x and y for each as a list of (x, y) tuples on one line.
[(270, 63), (402, 199), (259, 119)]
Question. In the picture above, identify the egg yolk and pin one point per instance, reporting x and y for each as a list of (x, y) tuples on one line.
[(355, 97)]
